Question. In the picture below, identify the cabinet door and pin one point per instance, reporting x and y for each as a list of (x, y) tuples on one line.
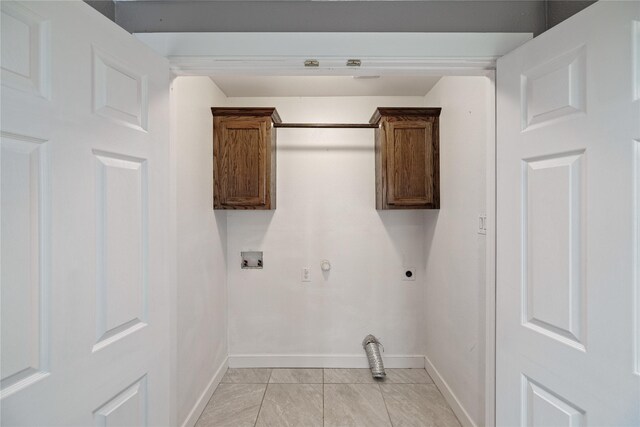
[(412, 164), (242, 164)]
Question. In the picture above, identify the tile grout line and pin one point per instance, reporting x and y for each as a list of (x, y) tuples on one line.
[(250, 383), (385, 405), (322, 397), (263, 396)]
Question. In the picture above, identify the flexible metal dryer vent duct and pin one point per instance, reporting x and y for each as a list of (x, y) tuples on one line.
[(372, 348)]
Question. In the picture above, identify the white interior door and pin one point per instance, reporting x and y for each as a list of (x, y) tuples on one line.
[(568, 155), (85, 203)]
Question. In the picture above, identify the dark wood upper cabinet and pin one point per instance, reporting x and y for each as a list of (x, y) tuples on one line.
[(244, 161), (407, 158)]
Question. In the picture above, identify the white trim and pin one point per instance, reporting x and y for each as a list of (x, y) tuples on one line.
[(448, 394), (390, 45), (173, 247), (334, 66), (204, 398), (320, 361), (284, 53), (490, 260)]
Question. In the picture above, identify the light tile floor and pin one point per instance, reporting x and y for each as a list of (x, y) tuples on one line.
[(326, 397)]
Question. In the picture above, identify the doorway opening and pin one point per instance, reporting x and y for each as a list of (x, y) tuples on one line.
[(380, 54), (326, 210)]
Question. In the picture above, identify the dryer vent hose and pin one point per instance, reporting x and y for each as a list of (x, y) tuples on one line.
[(371, 346)]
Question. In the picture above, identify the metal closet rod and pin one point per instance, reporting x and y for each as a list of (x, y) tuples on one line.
[(327, 125)]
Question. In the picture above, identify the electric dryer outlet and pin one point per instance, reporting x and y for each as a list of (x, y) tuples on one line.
[(409, 274)]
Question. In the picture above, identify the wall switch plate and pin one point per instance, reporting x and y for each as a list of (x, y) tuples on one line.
[(306, 274), (409, 274), (482, 223)]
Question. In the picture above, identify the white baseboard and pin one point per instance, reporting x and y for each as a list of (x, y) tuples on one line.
[(197, 409), (320, 361), (450, 397)]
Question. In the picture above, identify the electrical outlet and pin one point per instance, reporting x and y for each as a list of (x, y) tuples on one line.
[(409, 274), (306, 274)]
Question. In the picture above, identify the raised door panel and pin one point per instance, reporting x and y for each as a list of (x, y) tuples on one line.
[(24, 253), (127, 408), (119, 93), (553, 214), (555, 90), (542, 407), (410, 164), (122, 225), (25, 40)]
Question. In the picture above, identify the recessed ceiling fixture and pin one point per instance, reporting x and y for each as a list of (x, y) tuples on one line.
[(311, 63), (353, 63)]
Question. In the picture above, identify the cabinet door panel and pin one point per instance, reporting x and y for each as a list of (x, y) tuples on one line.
[(407, 158), (241, 145), (410, 163)]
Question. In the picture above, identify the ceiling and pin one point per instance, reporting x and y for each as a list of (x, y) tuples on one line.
[(254, 86), (533, 16)]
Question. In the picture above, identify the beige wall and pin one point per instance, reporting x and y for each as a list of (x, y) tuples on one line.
[(455, 270), (201, 238), (326, 209)]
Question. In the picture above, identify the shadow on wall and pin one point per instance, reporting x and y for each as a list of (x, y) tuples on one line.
[(431, 220), (318, 148), (397, 223), (258, 221), (221, 224)]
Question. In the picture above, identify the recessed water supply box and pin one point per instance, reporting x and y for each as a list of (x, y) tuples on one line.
[(251, 260)]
